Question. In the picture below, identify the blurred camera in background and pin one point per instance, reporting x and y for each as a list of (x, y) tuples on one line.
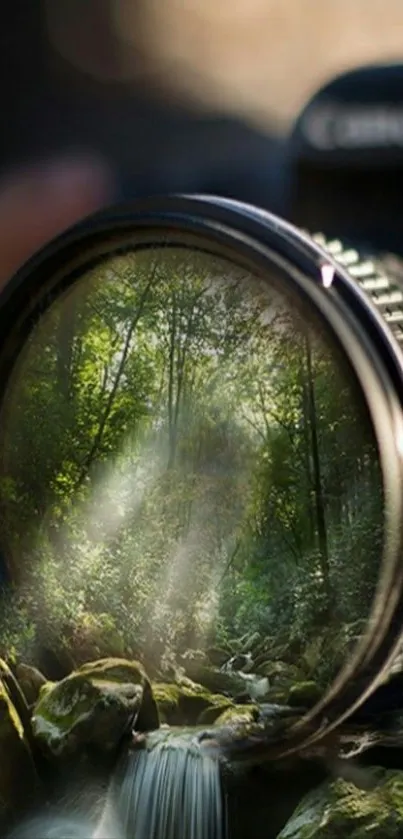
[(346, 177), (70, 84), (346, 154)]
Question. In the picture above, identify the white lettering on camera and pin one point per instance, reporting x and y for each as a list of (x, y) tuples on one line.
[(329, 127)]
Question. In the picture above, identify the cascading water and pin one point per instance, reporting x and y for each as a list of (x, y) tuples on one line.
[(170, 789)]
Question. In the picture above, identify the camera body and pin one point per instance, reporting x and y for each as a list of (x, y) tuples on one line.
[(346, 160)]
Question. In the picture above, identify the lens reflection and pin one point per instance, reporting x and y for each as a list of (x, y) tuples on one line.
[(189, 477)]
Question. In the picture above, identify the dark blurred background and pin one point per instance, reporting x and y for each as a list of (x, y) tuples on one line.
[(179, 96), (69, 82)]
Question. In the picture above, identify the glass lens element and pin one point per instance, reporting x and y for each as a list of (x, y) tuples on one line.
[(189, 477)]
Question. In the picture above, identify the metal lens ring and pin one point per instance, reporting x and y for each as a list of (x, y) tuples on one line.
[(201, 438)]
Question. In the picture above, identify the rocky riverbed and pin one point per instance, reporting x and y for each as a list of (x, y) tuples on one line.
[(60, 740)]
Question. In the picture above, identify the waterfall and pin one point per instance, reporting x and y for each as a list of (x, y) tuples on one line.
[(168, 790)]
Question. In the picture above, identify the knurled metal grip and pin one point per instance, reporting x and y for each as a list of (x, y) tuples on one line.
[(380, 277)]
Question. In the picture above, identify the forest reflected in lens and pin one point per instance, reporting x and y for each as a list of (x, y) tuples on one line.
[(189, 477)]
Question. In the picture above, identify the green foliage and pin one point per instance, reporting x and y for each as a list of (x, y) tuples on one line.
[(181, 468)]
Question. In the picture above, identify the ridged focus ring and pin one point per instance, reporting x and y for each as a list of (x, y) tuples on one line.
[(380, 277)]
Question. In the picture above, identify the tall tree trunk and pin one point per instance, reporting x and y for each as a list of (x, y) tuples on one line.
[(172, 399), (317, 477), (306, 433), (181, 320)]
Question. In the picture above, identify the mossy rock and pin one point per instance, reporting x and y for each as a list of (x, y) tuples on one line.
[(304, 695), (215, 680), (167, 698), (18, 778), (278, 696), (279, 672), (183, 703), (93, 708), (115, 669), (238, 714), (251, 642), (241, 661), (217, 656), (30, 680), (45, 689), (214, 712), (339, 809), (264, 647)]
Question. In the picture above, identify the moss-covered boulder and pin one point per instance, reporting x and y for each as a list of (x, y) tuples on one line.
[(277, 696), (215, 680), (304, 695), (93, 708), (184, 702), (337, 810), (217, 656), (30, 680), (251, 642), (166, 696), (214, 712), (18, 778), (238, 714), (279, 672)]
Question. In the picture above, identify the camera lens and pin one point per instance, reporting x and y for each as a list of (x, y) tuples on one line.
[(201, 442)]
